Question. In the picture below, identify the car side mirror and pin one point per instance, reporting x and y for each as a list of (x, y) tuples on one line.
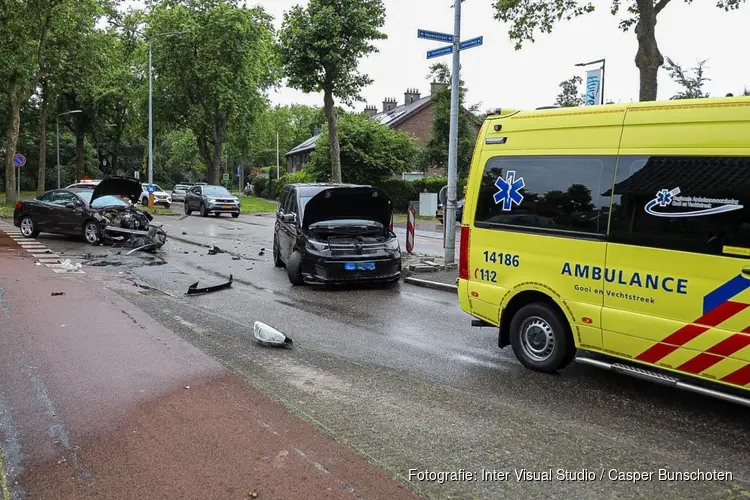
[(70, 205), (289, 217)]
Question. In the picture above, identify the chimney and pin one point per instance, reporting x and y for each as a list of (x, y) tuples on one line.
[(435, 87), (371, 110), (388, 104), (410, 96)]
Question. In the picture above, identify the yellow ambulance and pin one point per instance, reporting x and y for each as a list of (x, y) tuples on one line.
[(616, 235)]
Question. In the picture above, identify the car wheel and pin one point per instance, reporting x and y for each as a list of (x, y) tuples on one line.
[(277, 254), (541, 338), (187, 209), (294, 269), (204, 210), (28, 228), (235, 215), (91, 232)]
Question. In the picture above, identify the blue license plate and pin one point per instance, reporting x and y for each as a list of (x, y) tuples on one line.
[(359, 266)]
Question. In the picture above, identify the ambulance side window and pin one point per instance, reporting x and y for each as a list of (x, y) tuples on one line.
[(696, 204), (546, 194)]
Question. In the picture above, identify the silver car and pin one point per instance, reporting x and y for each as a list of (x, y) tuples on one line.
[(179, 190)]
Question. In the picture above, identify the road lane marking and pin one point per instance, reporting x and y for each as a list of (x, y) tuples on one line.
[(39, 251)]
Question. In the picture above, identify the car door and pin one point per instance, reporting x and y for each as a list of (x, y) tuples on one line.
[(677, 287), (277, 229), (195, 197), (69, 213), (288, 233)]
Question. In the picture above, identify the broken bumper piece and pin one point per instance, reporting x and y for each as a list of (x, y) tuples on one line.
[(193, 289), (149, 240)]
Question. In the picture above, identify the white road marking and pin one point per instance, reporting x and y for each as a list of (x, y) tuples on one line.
[(39, 251)]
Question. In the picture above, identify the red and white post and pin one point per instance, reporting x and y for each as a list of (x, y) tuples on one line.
[(410, 230)]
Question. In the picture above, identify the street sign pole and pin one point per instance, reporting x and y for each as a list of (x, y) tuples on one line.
[(449, 242)]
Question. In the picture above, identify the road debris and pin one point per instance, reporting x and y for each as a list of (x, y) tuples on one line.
[(262, 251), (236, 257), (193, 289), (69, 266), (265, 335), (213, 250), (57, 294)]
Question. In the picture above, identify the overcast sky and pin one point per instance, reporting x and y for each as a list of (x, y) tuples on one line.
[(498, 76)]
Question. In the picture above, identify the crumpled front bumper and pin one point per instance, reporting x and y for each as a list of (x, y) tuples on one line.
[(151, 239), (317, 269)]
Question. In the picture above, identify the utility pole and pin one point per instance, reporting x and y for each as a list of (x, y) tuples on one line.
[(450, 206), (277, 155)]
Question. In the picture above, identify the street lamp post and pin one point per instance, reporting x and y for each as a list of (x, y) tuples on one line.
[(150, 116), (603, 62), (57, 127)]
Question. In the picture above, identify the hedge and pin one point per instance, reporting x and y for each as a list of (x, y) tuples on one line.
[(401, 192)]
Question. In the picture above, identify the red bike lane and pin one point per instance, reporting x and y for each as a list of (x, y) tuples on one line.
[(99, 400)]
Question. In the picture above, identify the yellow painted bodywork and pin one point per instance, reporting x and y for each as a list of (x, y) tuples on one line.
[(616, 323)]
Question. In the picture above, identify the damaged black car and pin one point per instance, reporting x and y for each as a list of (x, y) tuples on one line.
[(105, 214), (336, 233)]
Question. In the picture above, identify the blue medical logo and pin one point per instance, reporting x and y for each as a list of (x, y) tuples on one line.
[(663, 197), (510, 190)]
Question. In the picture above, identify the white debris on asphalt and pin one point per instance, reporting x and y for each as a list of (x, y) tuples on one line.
[(69, 266), (270, 336)]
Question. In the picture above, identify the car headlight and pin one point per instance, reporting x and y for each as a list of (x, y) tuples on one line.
[(317, 246), (392, 244)]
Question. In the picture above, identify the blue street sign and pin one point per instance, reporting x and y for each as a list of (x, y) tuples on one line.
[(474, 42), (440, 52), (19, 160), (190, 175), (434, 35), (151, 188)]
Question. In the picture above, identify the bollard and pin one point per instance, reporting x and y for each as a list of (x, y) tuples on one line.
[(410, 230)]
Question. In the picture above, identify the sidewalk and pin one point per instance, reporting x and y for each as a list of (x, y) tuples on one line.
[(99, 400)]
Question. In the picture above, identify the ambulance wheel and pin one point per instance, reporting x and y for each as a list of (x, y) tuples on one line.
[(541, 338)]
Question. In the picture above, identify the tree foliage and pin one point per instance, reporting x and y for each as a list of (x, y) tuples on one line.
[(528, 17), (371, 152), (691, 81), (570, 95), (321, 46), (215, 74), (435, 151)]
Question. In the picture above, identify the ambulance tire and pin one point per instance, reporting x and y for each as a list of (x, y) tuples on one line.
[(541, 338)]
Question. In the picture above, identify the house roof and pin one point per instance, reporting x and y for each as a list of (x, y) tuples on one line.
[(389, 119)]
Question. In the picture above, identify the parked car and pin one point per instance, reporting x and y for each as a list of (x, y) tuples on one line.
[(161, 197), (84, 184), (99, 214), (459, 211), (179, 190), (209, 199), (336, 233)]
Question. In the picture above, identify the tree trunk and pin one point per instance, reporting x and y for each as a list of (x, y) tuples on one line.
[(41, 179), (14, 125), (333, 135), (80, 153), (216, 165), (648, 59)]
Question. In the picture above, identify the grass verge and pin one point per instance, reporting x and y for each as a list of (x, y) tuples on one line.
[(253, 205), (4, 491), (401, 218), (6, 209), (157, 210)]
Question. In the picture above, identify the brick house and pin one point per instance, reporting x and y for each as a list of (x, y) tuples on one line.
[(414, 116)]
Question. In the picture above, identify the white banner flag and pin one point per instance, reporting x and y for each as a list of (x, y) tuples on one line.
[(594, 87)]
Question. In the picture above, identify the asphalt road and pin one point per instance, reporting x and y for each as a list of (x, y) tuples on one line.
[(399, 375)]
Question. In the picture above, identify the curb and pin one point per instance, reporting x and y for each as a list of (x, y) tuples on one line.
[(435, 285)]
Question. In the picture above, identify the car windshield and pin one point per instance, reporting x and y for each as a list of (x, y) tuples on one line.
[(102, 201), (216, 191)]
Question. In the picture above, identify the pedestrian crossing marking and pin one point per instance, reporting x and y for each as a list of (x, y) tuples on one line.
[(39, 251)]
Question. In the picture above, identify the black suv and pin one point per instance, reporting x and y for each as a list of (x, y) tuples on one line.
[(336, 233)]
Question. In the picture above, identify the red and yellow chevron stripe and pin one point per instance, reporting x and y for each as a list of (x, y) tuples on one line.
[(717, 308)]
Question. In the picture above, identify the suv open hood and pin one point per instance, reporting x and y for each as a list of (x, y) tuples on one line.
[(129, 187), (367, 203)]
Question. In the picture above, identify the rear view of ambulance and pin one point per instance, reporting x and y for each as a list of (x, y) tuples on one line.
[(618, 235)]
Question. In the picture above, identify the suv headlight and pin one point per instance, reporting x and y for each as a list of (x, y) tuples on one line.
[(392, 244), (317, 246)]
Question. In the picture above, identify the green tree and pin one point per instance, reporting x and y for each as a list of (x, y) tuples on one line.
[(527, 17), (746, 91), (321, 45), (371, 152), (691, 81), (435, 151), (216, 73), (570, 95)]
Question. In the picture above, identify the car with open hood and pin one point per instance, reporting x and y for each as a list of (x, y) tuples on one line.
[(336, 233), (104, 214)]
